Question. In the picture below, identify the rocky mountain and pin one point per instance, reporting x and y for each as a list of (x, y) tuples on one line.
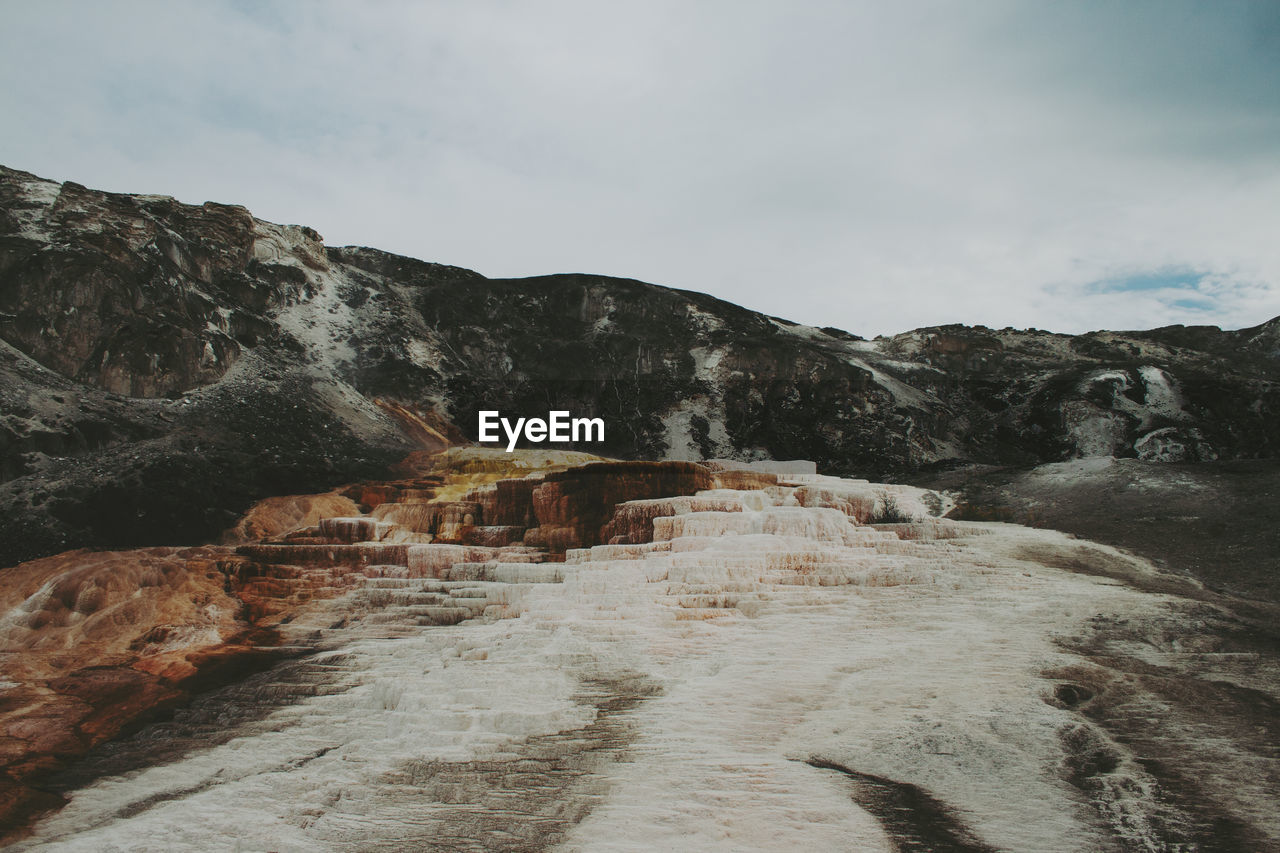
[(163, 365), (324, 620)]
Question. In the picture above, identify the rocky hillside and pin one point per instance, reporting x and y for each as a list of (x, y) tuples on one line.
[(163, 365)]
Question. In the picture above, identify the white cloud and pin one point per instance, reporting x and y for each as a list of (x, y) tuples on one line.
[(865, 166)]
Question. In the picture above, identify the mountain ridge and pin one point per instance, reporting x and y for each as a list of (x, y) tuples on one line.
[(166, 364)]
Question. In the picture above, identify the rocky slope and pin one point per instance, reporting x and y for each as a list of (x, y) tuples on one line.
[(163, 365)]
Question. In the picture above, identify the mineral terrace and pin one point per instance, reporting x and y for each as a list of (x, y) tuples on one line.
[(518, 651)]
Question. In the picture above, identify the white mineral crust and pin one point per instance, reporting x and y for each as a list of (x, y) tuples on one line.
[(738, 646)]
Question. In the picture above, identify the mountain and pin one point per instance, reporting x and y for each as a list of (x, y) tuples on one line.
[(163, 365), (325, 620)]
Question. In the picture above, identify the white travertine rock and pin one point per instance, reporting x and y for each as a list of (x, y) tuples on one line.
[(482, 692), (357, 529), (768, 466)]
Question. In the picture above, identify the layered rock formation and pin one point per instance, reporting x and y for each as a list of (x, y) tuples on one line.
[(744, 662), (164, 365), (95, 642)]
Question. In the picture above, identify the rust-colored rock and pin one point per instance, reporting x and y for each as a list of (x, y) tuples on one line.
[(858, 507), (573, 506), (632, 522), (356, 554), (741, 478), (371, 495), (428, 428), (509, 503), (96, 642), (275, 516)]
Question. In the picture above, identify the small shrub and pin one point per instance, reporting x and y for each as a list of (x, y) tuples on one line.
[(888, 512)]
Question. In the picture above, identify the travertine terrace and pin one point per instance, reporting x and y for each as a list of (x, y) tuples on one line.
[(656, 656)]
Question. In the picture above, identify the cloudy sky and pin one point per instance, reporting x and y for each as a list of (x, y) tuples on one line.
[(874, 166)]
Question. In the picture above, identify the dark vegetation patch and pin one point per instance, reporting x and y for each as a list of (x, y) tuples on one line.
[(887, 511), (225, 450)]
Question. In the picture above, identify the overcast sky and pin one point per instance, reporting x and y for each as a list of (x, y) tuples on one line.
[(875, 166)]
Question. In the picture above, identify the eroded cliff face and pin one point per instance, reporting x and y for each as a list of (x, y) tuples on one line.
[(163, 365), (138, 295)]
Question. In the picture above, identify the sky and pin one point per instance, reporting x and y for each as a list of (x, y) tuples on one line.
[(872, 166)]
